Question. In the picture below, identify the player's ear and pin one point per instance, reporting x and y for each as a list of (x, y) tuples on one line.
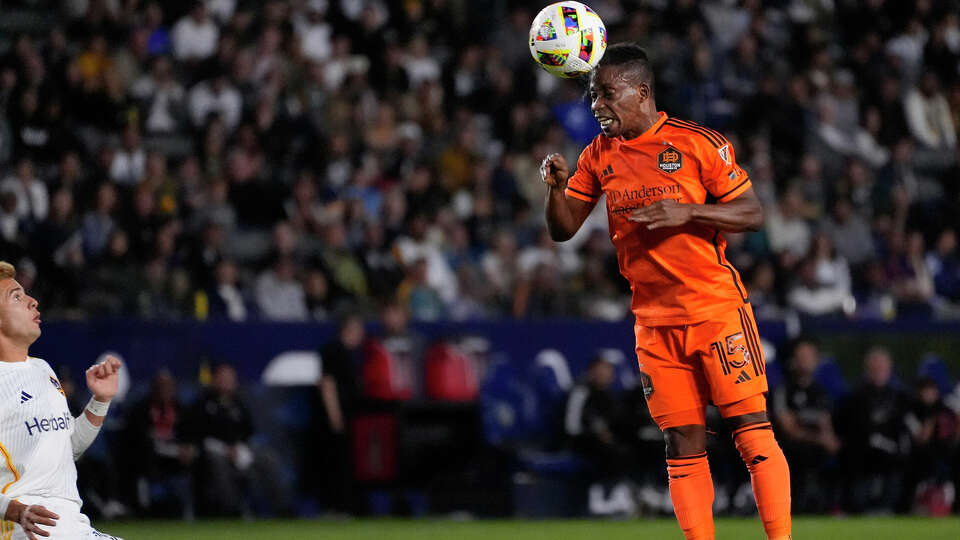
[(644, 90)]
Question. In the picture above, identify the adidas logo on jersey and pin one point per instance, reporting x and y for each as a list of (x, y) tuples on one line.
[(608, 170), (743, 377), (24, 397)]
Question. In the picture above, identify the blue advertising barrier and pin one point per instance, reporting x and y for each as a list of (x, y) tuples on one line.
[(182, 346)]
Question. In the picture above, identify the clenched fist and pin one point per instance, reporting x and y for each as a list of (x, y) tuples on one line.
[(554, 171)]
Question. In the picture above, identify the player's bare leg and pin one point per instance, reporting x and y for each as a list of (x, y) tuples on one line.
[(691, 485), (769, 473)]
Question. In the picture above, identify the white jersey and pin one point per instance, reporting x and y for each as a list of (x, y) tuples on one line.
[(35, 430)]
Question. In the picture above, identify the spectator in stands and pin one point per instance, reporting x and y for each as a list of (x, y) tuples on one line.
[(501, 268), (849, 232), (327, 466), (99, 222), (593, 422), (420, 65), (404, 343), (831, 267), (114, 283), (317, 291), (415, 292), (215, 96), (911, 279), (195, 35), (813, 296), (935, 434), (158, 36), (348, 280), (803, 412), (787, 230), (279, 295), (542, 294), (128, 162), (314, 32), (944, 264), (928, 115), (418, 245), (812, 187), (11, 234), (871, 422), (161, 97), (761, 283), (32, 197), (164, 461), (225, 298), (220, 426)]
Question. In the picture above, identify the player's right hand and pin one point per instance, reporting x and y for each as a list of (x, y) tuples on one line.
[(35, 515), (554, 171)]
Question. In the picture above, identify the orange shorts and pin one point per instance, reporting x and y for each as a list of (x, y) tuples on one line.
[(685, 368)]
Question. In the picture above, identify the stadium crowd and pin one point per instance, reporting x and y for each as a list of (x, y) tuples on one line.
[(284, 159), (281, 159), (874, 444)]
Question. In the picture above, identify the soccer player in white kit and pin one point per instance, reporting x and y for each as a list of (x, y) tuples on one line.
[(39, 438)]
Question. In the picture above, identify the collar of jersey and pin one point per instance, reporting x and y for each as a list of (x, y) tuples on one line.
[(646, 135)]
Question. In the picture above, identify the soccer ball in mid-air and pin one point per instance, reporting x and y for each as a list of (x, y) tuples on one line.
[(567, 39)]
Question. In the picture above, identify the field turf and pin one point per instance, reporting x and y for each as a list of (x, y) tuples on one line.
[(882, 528)]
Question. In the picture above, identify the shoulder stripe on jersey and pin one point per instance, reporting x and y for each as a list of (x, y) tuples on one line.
[(745, 180), (9, 460), (733, 274), (717, 143), (716, 134), (703, 133), (710, 134), (582, 193)]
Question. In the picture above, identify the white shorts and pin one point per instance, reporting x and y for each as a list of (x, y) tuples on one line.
[(73, 524)]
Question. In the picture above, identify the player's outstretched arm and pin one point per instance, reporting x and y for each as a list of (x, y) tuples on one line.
[(565, 214), (745, 213), (103, 382), (30, 517)]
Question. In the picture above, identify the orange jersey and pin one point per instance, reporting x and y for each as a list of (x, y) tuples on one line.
[(678, 275)]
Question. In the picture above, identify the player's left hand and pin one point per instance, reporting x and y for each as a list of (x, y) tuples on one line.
[(103, 378), (665, 213)]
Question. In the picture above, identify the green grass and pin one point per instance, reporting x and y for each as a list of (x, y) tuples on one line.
[(898, 528)]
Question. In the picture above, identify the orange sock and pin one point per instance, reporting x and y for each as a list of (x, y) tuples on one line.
[(691, 490), (769, 476)]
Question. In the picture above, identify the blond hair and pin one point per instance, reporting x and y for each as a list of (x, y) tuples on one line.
[(7, 271)]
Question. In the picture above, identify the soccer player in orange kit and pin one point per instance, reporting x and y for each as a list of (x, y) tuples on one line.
[(672, 187)]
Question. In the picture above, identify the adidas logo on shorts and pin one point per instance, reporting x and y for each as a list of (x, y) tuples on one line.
[(743, 377)]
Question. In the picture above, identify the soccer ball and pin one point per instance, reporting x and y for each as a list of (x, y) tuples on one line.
[(567, 39)]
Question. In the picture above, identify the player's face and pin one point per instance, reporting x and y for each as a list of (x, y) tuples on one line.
[(19, 316), (617, 104)]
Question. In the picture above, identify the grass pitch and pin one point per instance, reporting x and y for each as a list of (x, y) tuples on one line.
[(821, 528)]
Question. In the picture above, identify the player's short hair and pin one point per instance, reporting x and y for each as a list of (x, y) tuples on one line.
[(7, 270), (633, 61)]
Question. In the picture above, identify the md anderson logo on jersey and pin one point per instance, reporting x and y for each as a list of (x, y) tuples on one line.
[(54, 423), (627, 200)]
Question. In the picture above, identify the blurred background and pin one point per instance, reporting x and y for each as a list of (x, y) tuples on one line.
[(313, 229)]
